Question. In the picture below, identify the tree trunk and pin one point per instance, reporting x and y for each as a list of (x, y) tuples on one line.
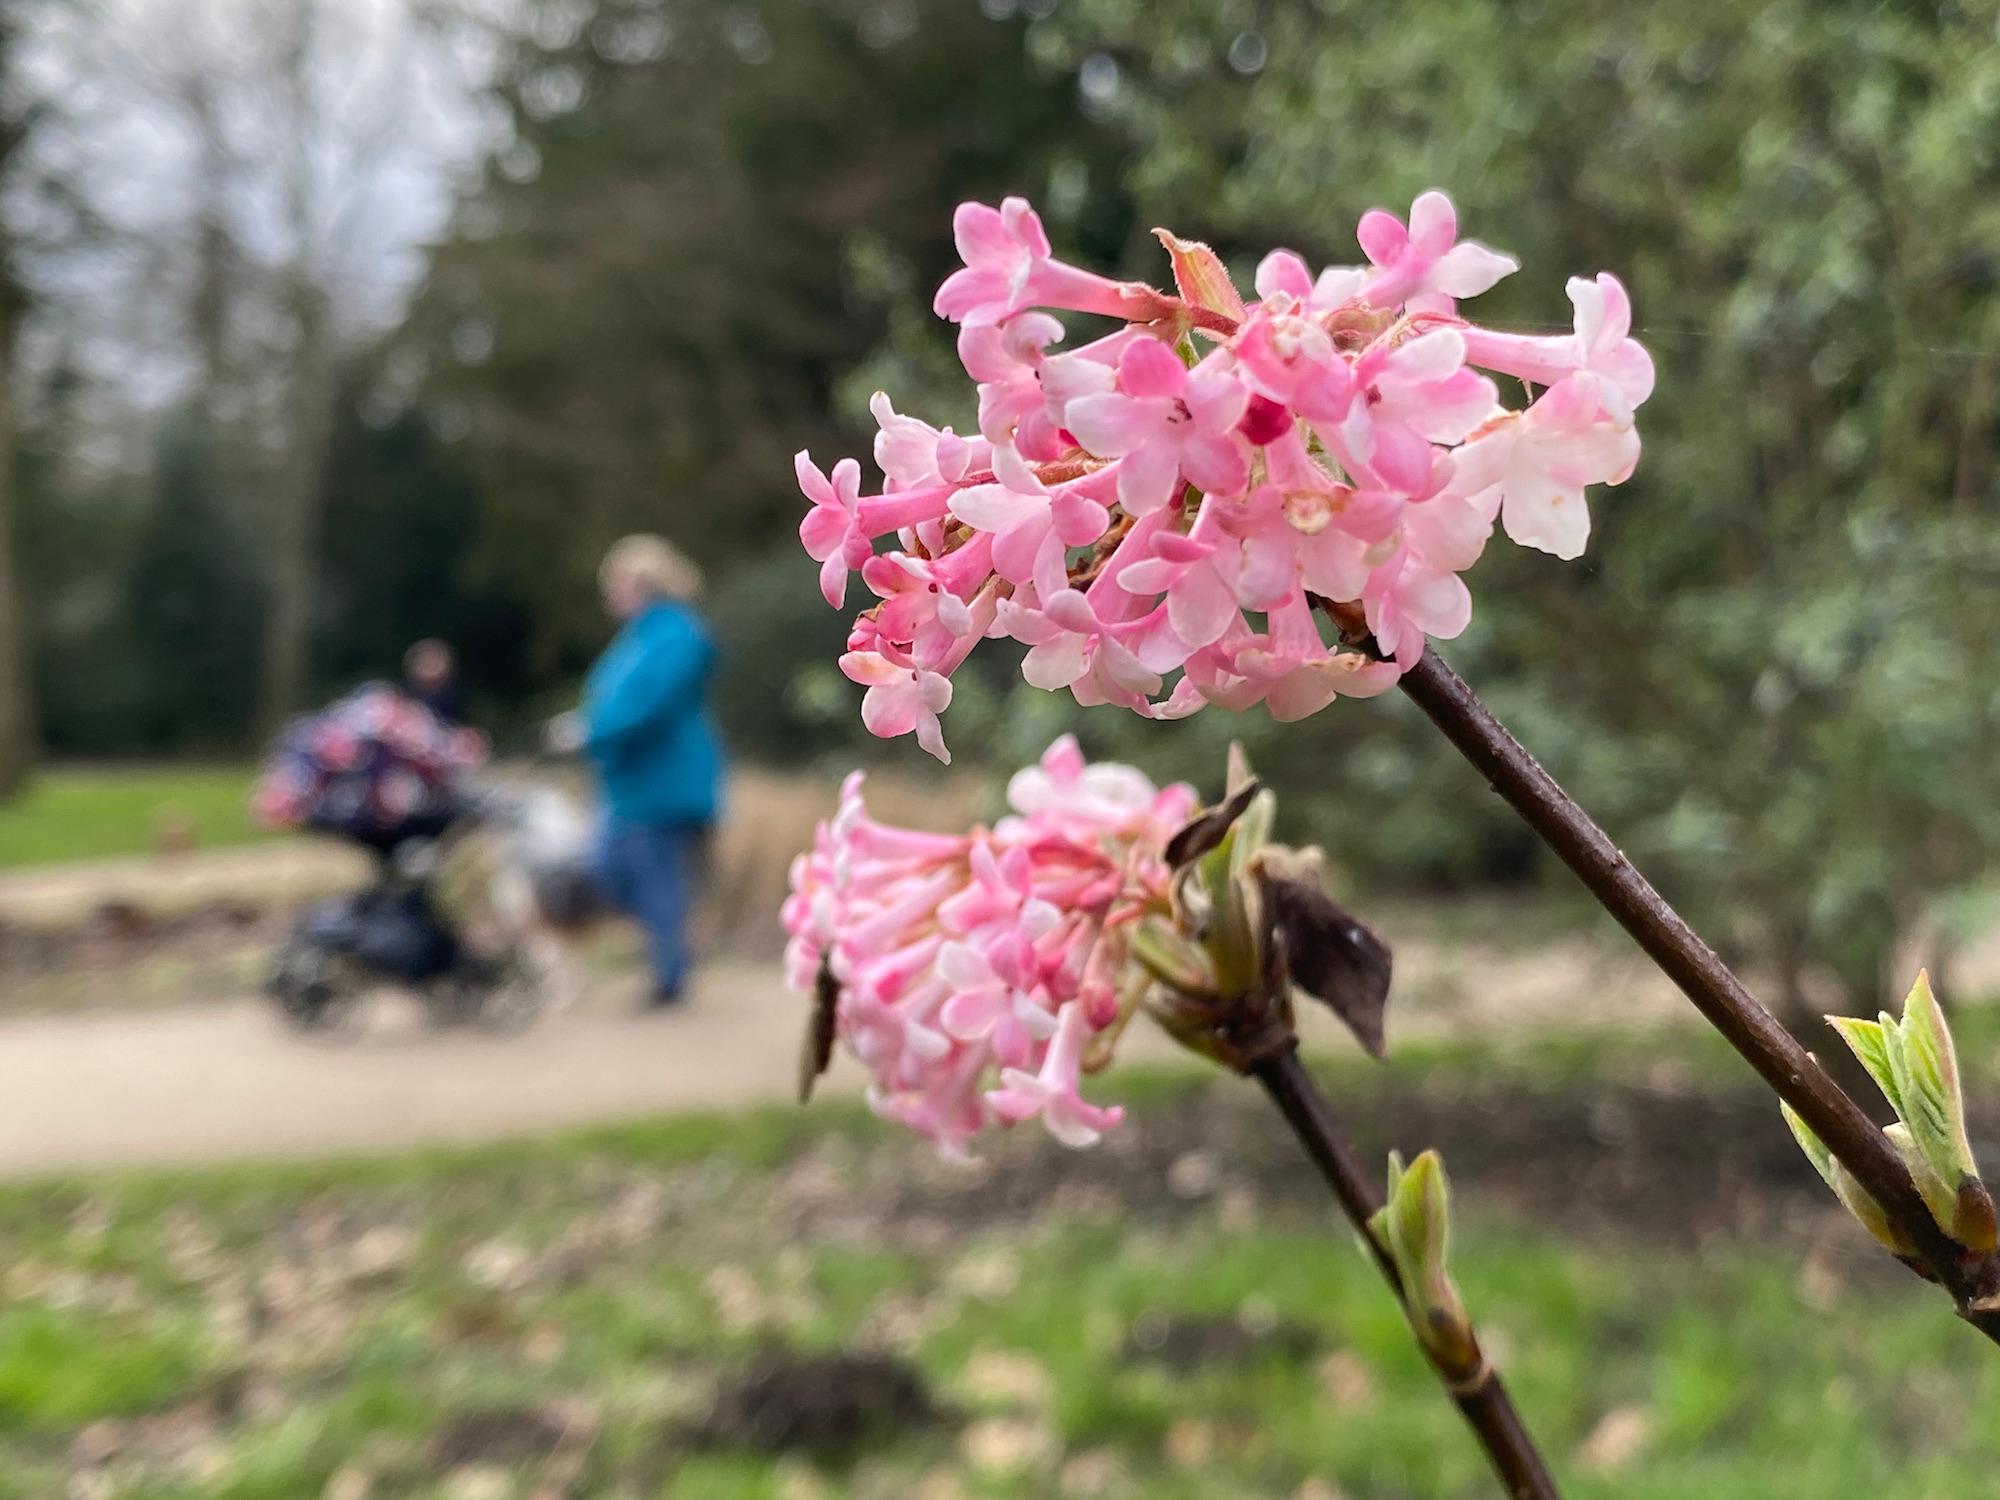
[(16, 715), (294, 521), (295, 516)]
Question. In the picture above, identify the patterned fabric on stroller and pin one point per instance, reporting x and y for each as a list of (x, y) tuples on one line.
[(377, 767)]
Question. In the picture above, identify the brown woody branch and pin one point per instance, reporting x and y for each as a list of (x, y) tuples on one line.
[(1973, 1279), (1477, 1391)]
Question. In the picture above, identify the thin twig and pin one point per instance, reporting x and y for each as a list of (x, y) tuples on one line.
[(1481, 1398), (1973, 1279)]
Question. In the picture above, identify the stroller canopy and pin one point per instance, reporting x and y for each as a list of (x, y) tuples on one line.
[(377, 766)]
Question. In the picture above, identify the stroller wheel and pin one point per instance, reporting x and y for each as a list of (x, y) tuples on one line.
[(500, 994), (452, 999), (516, 998), (313, 991)]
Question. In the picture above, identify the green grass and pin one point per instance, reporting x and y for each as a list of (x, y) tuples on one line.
[(283, 1331), (71, 813)]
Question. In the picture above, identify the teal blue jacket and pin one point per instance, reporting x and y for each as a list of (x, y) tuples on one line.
[(647, 722)]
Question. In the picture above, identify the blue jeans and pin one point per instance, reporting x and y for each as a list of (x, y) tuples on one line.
[(650, 870)]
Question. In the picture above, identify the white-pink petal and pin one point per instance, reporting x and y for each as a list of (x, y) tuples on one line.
[(995, 508)]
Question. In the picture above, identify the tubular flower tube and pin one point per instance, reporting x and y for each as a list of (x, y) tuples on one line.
[(969, 973), (1154, 514)]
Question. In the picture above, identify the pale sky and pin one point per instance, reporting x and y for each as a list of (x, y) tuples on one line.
[(396, 118)]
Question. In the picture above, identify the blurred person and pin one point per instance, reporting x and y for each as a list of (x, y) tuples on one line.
[(430, 675), (645, 725)]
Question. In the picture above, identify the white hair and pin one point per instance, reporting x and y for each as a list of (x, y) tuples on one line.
[(655, 564)]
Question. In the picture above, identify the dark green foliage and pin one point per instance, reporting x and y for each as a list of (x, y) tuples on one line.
[(397, 531), (646, 304), (190, 609), (1772, 676), (766, 624), (144, 601)]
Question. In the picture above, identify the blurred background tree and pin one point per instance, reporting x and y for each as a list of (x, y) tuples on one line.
[(16, 720), (664, 244), (649, 294), (1771, 674)]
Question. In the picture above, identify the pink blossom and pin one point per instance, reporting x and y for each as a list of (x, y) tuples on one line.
[(1303, 530), (1283, 274), (1033, 526), (912, 452), (1071, 646), (1009, 268), (919, 609), (1002, 891), (1052, 1091), (1287, 667), (1422, 267), (971, 971), (1089, 371), (1006, 360), (1446, 530), (831, 534), (1408, 397), (909, 678), (1287, 356), (1601, 344), (1157, 514), (1071, 790), (985, 1007), (1408, 597), (1198, 571), (901, 699), (1533, 466), (1164, 421)]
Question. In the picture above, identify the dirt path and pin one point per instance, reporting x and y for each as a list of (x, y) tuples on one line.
[(223, 1080), (214, 1078)]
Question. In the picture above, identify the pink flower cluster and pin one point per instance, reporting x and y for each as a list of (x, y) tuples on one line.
[(1177, 495), (975, 971)]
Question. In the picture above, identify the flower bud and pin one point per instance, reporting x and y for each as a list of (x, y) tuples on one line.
[(1260, 918), (1200, 277), (1414, 1227)]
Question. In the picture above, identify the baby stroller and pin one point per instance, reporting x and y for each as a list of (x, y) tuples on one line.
[(380, 770)]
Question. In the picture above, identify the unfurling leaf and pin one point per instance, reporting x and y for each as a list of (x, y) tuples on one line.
[(1171, 959), (1330, 954), (1253, 831), (1378, 1222), (1916, 1065), (1870, 1041), (1236, 769), (1209, 826), (1420, 1215), (1250, 922), (1853, 1197), (1232, 926), (1814, 1148), (1926, 1067), (1200, 276), (1939, 1196)]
